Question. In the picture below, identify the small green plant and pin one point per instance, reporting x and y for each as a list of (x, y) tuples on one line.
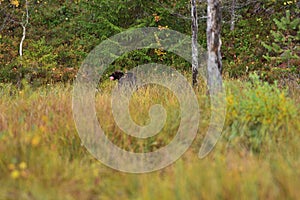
[(285, 47)]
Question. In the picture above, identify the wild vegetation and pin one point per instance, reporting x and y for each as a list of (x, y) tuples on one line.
[(257, 156), (41, 154)]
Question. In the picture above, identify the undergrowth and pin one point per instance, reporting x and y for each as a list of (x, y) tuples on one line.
[(41, 155)]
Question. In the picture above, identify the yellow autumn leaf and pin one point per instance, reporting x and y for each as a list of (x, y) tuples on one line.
[(15, 2)]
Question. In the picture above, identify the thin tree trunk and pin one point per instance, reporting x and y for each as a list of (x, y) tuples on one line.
[(24, 24), (232, 20), (195, 63)]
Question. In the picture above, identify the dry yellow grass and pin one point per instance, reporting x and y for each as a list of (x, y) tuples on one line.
[(41, 156)]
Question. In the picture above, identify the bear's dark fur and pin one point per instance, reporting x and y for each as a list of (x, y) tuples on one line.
[(124, 79)]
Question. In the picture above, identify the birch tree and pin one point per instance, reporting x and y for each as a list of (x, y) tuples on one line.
[(214, 80), (195, 63), (213, 31), (214, 21), (24, 23)]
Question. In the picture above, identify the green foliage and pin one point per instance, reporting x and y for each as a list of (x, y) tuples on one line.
[(285, 46), (39, 55), (242, 49), (73, 28), (258, 114), (38, 62), (242, 52)]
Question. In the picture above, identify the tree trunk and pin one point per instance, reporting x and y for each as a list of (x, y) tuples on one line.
[(214, 79), (24, 24), (195, 63), (232, 20), (214, 62)]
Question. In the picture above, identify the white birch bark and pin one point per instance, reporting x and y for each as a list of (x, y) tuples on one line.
[(24, 24), (195, 63), (214, 62)]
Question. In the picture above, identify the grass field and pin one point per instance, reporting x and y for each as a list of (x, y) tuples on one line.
[(41, 156)]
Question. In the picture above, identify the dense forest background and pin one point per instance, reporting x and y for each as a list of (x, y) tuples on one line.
[(258, 36)]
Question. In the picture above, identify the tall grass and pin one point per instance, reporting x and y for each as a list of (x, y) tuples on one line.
[(41, 156)]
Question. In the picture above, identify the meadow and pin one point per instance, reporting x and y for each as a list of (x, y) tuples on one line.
[(257, 157), (41, 154)]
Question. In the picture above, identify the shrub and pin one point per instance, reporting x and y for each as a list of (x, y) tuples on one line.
[(258, 113)]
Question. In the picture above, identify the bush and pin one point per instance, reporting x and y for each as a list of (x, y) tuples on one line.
[(258, 114)]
